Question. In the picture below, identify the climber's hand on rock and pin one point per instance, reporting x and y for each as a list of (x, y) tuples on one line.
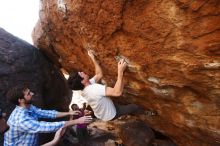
[(122, 64), (91, 54)]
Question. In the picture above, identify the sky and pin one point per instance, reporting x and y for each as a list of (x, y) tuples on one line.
[(19, 17)]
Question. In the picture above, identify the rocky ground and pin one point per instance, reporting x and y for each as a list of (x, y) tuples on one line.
[(124, 131)]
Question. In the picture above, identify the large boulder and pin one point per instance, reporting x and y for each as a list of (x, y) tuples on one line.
[(173, 51), (22, 63), (136, 133)]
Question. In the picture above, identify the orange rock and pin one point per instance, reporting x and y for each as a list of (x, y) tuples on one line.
[(173, 53)]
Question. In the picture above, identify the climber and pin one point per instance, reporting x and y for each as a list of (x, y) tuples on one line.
[(97, 95)]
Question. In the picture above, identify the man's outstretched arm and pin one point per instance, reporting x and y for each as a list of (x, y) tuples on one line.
[(98, 69), (81, 120), (64, 114), (61, 131), (117, 90)]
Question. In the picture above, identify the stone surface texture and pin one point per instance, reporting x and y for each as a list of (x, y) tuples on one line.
[(172, 48), (22, 63), (132, 134)]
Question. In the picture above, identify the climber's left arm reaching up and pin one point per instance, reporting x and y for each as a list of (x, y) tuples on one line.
[(98, 69)]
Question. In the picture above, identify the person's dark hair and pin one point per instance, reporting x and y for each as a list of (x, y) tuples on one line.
[(74, 107), (16, 93), (74, 81)]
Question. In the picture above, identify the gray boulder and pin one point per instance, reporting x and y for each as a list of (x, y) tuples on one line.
[(21, 63)]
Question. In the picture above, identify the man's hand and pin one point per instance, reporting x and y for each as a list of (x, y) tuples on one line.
[(122, 64), (85, 119), (91, 54)]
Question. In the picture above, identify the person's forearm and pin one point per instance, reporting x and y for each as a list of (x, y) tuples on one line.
[(119, 86), (117, 90), (56, 138), (62, 114), (70, 123), (98, 69), (81, 120), (51, 143)]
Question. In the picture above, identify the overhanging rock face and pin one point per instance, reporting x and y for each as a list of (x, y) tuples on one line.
[(173, 51)]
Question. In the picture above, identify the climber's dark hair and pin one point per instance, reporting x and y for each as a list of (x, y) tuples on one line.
[(16, 93), (74, 81)]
